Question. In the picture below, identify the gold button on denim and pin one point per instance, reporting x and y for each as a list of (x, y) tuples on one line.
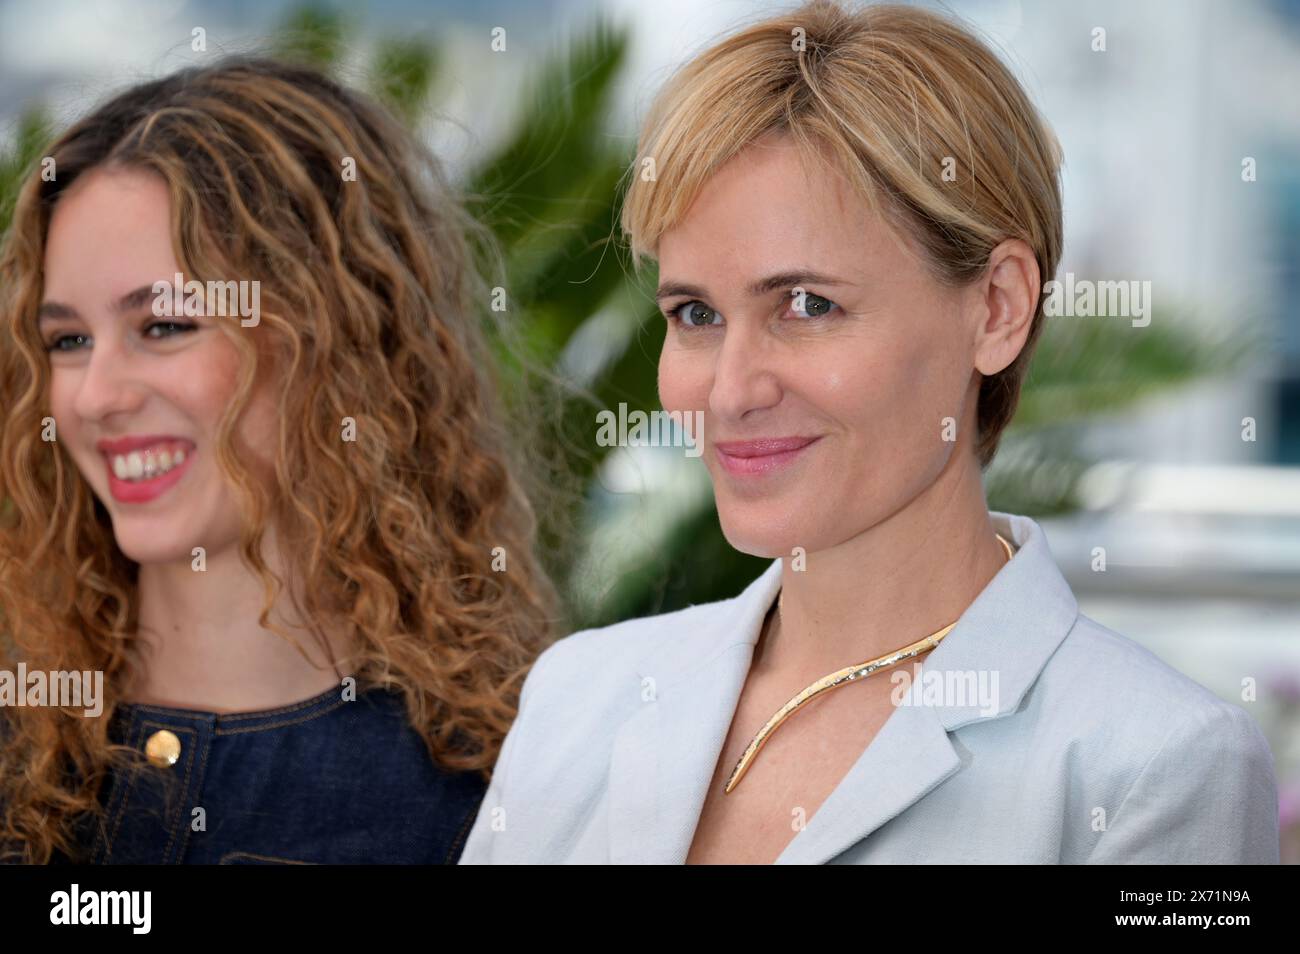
[(163, 748)]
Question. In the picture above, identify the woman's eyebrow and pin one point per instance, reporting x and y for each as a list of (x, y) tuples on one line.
[(131, 301), (669, 289), (785, 280), (763, 286)]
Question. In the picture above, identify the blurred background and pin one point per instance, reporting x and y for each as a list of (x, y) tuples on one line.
[(1174, 446)]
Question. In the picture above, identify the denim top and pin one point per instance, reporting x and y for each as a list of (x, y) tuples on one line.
[(322, 781)]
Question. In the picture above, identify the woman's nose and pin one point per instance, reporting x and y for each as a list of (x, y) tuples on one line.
[(108, 385), (744, 378)]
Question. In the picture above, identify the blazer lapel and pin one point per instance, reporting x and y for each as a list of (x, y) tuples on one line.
[(910, 755), (1011, 629), (664, 756)]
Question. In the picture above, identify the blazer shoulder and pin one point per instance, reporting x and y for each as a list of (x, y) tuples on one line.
[(1147, 699), (1185, 776)]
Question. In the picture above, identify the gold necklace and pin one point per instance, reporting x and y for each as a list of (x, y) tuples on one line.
[(838, 678)]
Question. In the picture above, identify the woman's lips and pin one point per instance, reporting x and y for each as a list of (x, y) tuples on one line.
[(761, 456), (142, 491)]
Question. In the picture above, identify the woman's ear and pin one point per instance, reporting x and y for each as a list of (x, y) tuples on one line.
[(1006, 299)]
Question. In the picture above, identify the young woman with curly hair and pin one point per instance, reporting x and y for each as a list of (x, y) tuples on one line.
[(290, 540)]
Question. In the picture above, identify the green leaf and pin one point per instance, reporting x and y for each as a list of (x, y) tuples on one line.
[(404, 71), (34, 133), (1089, 366), (312, 34), (531, 182)]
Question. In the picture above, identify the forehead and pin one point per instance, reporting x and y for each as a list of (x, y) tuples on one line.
[(110, 232), (768, 204)]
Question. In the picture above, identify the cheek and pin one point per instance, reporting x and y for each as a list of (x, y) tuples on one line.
[(887, 392), (258, 423), (200, 383), (62, 395), (258, 431), (928, 388), (870, 379), (206, 383), (684, 376)]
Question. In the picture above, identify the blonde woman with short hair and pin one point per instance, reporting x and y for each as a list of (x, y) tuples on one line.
[(854, 213)]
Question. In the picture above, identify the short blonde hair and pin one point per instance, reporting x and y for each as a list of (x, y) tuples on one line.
[(893, 97)]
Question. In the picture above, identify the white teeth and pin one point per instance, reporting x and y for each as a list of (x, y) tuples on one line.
[(148, 465)]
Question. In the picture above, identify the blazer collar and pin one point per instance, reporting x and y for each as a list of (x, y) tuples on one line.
[(664, 756)]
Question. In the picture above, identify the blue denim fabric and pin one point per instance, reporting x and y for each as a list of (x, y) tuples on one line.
[(323, 781)]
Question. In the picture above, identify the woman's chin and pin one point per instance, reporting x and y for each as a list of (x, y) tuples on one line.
[(766, 538), (154, 544), (146, 552)]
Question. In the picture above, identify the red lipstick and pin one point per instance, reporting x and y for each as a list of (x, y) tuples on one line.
[(150, 447)]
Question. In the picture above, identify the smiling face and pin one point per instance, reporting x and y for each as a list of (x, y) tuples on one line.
[(825, 414), (136, 398)]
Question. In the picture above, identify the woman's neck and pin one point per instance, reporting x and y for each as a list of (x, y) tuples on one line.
[(203, 647), (901, 580)]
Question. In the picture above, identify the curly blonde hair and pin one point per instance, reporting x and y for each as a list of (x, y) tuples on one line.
[(371, 309)]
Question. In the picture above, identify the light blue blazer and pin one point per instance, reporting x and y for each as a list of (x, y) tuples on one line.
[(1097, 752)]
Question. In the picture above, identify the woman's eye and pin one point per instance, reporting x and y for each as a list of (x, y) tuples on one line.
[(170, 327), (67, 342), (808, 305), (696, 314)]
